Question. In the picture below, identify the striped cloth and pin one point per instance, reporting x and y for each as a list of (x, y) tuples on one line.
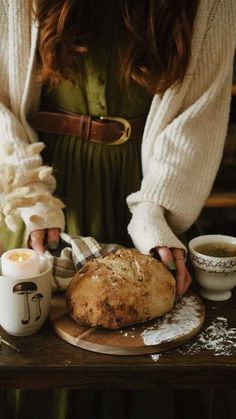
[(75, 251)]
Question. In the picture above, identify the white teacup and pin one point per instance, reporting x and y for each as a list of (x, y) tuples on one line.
[(215, 274), (25, 302)]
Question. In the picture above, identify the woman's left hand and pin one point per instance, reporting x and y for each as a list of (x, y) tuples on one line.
[(39, 239), (174, 259)]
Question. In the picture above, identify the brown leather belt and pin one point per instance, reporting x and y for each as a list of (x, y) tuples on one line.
[(106, 129)]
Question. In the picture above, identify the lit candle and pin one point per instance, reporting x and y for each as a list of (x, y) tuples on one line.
[(20, 263)]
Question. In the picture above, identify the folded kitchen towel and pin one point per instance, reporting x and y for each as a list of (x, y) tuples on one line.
[(75, 252)]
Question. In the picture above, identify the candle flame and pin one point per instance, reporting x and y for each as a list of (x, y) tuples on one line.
[(19, 256)]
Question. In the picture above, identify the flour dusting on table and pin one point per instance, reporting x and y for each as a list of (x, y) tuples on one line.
[(183, 319), (155, 357), (218, 338)]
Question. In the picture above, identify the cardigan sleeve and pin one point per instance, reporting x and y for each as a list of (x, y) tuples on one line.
[(184, 138), (26, 185)]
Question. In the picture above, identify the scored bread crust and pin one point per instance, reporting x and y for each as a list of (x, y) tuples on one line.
[(120, 289)]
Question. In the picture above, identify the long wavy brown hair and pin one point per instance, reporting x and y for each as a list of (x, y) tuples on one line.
[(158, 39)]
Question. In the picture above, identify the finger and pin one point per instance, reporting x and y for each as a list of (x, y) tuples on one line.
[(188, 280), (166, 257), (53, 238), (183, 280), (179, 258), (36, 241), (180, 278), (182, 275)]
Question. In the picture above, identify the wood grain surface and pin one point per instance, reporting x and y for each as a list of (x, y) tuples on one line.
[(125, 341)]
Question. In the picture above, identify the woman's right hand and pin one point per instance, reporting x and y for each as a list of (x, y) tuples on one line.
[(38, 239), (174, 259)]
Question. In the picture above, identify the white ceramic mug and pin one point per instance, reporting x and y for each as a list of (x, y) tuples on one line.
[(25, 302), (216, 275)]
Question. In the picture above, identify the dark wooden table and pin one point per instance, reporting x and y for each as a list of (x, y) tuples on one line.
[(46, 361)]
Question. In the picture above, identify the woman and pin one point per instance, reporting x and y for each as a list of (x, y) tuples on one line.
[(167, 65), (183, 137), (189, 81)]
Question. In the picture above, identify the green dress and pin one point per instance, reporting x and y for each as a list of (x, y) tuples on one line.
[(94, 179)]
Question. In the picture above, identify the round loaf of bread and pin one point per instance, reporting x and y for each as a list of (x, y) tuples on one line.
[(120, 289)]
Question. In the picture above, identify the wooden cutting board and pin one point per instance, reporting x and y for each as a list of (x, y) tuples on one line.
[(182, 324)]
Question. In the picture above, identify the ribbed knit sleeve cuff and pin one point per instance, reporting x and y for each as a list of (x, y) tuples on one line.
[(148, 228)]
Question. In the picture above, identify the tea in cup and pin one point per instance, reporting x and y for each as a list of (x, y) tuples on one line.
[(214, 260)]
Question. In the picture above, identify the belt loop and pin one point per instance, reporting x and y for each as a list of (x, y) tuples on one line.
[(85, 126)]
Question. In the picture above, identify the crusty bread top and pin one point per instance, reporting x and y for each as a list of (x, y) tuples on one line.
[(120, 289)]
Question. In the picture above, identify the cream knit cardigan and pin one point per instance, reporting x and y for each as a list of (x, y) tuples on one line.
[(182, 143)]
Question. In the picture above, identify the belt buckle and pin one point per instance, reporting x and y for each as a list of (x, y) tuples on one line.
[(126, 132)]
